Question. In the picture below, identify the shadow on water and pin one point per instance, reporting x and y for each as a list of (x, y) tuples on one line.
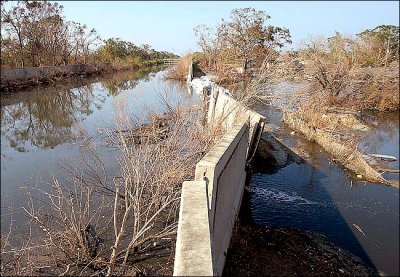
[(358, 216), (286, 191)]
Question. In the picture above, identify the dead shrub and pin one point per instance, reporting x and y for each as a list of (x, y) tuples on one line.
[(336, 70), (92, 222), (376, 89), (344, 151), (180, 70)]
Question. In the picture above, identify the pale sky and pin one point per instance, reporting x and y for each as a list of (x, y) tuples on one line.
[(169, 25)]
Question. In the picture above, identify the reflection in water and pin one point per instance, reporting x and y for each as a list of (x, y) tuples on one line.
[(45, 121), (128, 80), (41, 128)]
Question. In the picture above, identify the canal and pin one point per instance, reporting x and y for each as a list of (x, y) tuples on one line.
[(44, 129), (314, 194)]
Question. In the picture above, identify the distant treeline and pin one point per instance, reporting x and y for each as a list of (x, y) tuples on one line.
[(36, 33)]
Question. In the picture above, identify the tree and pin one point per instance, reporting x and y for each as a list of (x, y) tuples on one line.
[(42, 24), (12, 22), (42, 36), (36, 33), (116, 50), (387, 40), (84, 40), (245, 36), (210, 43)]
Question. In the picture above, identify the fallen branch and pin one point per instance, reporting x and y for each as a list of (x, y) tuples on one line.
[(351, 158)]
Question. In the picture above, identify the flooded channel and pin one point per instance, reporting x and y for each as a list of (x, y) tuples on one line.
[(43, 128), (313, 193)]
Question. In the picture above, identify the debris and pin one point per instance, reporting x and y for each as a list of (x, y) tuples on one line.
[(383, 157), (346, 154), (388, 170), (359, 229), (199, 85), (92, 240)]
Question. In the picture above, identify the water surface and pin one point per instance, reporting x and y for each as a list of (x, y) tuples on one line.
[(315, 194), (44, 128)]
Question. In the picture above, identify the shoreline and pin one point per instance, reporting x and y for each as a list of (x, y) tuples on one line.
[(257, 250), (21, 79)]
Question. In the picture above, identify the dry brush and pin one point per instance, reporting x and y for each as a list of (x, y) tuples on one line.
[(96, 222)]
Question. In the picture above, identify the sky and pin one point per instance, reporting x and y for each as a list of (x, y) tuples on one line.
[(169, 25)]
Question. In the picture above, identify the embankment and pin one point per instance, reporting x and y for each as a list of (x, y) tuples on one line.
[(18, 78)]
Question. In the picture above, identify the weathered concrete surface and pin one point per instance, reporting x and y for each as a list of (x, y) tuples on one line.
[(228, 109), (223, 167), (214, 162), (210, 205), (206, 219), (193, 245), (224, 110), (227, 191)]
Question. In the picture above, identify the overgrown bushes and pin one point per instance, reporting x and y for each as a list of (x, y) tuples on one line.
[(355, 73)]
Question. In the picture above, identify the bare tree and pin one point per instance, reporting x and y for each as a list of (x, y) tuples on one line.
[(244, 36), (13, 22), (42, 35)]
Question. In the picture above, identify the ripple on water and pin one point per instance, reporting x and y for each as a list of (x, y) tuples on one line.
[(280, 196)]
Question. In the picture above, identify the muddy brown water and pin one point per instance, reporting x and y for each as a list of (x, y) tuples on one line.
[(45, 127), (315, 194)]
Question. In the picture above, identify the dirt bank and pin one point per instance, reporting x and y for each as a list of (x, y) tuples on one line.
[(261, 251), (20, 78)]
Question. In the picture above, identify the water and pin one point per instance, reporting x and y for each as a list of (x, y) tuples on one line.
[(43, 128), (316, 194)]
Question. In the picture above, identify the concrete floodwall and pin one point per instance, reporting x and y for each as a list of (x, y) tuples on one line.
[(210, 204), (225, 111), (223, 168), (193, 246), (189, 76), (206, 219)]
